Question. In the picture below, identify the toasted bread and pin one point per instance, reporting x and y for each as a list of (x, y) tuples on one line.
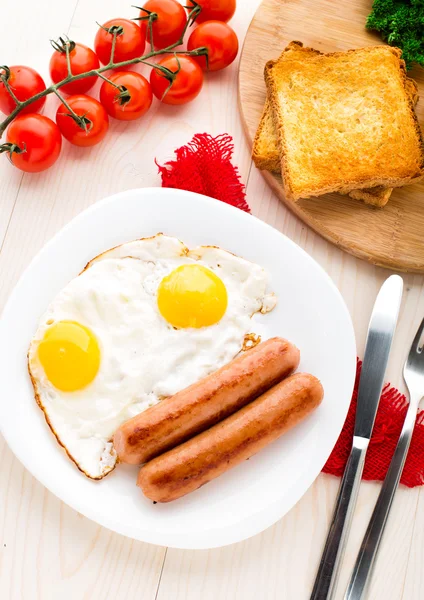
[(344, 121), (377, 196), (265, 152)]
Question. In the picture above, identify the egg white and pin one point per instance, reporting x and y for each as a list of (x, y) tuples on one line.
[(143, 358)]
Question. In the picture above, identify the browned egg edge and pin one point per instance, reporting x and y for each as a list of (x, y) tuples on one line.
[(56, 435)]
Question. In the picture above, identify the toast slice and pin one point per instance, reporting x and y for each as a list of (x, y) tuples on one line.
[(265, 151), (344, 121), (266, 154)]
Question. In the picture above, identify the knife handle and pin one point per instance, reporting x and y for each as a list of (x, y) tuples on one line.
[(358, 585), (328, 571)]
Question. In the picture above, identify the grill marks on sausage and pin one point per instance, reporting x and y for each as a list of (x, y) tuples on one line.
[(205, 403), (237, 438)]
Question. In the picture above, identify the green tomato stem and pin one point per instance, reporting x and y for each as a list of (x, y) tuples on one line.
[(10, 91), (68, 59), (80, 121), (112, 51), (108, 80)]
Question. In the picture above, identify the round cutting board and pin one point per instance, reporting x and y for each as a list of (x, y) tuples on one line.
[(392, 236)]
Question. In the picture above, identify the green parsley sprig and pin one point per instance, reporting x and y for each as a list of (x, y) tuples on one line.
[(401, 24)]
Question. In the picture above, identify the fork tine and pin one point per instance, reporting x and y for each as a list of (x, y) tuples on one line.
[(414, 346)]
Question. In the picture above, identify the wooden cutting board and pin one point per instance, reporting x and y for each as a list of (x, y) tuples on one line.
[(391, 237)]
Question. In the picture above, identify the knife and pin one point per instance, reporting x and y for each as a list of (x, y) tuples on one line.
[(377, 349)]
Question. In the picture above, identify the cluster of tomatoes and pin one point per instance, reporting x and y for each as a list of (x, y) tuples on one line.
[(34, 141)]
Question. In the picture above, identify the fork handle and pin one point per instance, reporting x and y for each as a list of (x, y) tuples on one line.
[(326, 579), (361, 575)]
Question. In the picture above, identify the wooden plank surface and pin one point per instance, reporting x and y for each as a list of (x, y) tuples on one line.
[(47, 550), (390, 237)]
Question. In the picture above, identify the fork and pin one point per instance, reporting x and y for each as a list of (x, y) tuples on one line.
[(413, 374)]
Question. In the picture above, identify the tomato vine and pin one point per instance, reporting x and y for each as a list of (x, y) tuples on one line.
[(67, 45)]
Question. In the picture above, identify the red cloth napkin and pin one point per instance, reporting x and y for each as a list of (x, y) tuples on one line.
[(387, 427), (204, 166)]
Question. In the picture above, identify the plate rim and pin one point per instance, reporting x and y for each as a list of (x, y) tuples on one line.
[(257, 521)]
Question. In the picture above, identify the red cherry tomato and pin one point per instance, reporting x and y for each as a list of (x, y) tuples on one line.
[(129, 44), (24, 82), (187, 82), (82, 59), (38, 142), (218, 10), (129, 102), (97, 121), (221, 42), (169, 24)]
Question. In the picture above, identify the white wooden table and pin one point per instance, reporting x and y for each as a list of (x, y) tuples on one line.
[(47, 550)]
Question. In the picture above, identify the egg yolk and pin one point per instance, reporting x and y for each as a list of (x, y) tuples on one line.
[(70, 355), (192, 296)]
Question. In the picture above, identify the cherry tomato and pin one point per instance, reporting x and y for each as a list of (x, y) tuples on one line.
[(187, 82), (169, 25), (116, 100), (24, 82), (38, 139), (82, 59), (93, 111), (221, 42), (218, 10), (129, 44)]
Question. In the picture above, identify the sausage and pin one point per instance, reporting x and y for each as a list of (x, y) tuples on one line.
[(211, 453), (206, 402)]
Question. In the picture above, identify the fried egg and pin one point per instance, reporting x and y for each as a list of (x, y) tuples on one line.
[(141, 322)]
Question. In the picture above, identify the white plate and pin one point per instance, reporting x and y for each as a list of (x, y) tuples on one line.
[(310, 312)]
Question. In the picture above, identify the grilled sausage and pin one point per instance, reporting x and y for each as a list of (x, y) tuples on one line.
[(206, 402), (211, 453)]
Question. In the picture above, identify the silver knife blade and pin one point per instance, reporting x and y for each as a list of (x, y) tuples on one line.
[(379, 340), (377, 349)]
